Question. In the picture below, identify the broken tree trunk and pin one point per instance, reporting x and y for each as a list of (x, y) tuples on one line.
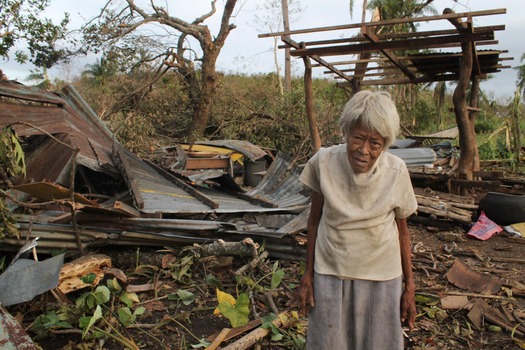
[(245, 248)]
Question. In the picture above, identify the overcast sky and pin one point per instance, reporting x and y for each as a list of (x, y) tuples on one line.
[(244, 52)]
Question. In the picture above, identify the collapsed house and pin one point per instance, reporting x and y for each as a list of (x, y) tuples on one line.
[(91, 191)]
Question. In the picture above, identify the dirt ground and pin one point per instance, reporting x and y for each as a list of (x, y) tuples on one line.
[(168, 323)]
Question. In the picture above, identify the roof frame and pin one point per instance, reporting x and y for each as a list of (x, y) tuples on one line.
[(388, 52)]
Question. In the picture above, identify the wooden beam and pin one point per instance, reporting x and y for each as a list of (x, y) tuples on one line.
[(412, 44), (389, 54), (424, 57), (318, 59), (418, 80), (387, 22), (410, 35)]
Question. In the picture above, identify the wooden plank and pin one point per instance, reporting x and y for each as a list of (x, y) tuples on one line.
[(428, 33), (408, 44), (207, 163), (319, 60), (387, 22), (388, 53), (419, 57)]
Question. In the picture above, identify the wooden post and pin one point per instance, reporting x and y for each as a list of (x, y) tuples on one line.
[(287, 56), (467, 136), (312, 120)]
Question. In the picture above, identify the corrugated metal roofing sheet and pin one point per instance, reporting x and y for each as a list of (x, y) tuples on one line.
[(250, 150), (281, 184), (415, 156)]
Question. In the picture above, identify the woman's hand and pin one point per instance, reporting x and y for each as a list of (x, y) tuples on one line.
[(306, 293), (408, 307)]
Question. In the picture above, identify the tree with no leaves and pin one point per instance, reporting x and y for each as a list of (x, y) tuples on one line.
[(131, 25)]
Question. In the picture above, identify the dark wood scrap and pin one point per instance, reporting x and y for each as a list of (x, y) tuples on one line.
[(481, 311), (463, 277), (458, 208), (491, 185), (445, 224), (495, 174)]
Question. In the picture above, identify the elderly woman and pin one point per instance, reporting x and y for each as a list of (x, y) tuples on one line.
[(358, 280)]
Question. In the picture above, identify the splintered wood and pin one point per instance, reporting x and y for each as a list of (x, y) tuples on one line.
[(71, 272)]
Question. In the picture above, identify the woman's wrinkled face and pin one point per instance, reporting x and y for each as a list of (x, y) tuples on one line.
[(363, 146)]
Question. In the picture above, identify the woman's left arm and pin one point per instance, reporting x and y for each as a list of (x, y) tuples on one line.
[(408, 299)]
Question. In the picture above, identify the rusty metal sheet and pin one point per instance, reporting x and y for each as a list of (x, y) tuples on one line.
[(12, 334), (28, 93), (80, 106), (50, 161), (86, 134)]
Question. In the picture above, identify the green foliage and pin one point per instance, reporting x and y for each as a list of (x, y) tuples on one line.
[(12, 163), (127, 317), (235, 310), (181, 271), (11, 153), (277, 275), (50, 321), (92, 311), (23, 23), (252, 108), (289, 338), (182, 295)]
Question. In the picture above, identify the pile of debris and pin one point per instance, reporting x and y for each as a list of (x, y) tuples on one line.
[(86, 190)]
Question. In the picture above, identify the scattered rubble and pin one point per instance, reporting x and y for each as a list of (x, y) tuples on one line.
[(216, 214)]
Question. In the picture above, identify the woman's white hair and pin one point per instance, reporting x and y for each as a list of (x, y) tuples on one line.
[(373, 110)]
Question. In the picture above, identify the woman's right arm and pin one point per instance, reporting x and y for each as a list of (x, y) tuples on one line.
[(306, 287)]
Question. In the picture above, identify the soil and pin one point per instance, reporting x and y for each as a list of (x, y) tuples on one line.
[(170, 324)]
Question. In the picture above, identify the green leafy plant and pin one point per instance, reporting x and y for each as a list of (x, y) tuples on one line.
[(235, 310), (288, 338), (182, 295), (50, 320), (181, 271), (12, 164)]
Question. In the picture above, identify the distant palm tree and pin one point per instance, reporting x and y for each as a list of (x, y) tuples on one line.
[(521, 76), (99, 71), (440, 92), (391, 9)]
